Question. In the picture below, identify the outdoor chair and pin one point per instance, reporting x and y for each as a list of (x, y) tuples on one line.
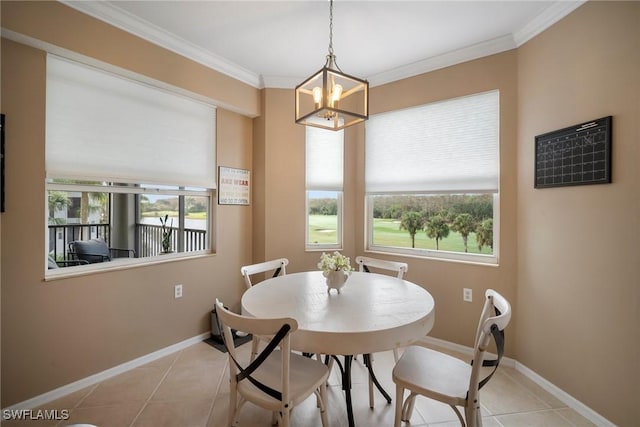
[(366, 264), (96, 250), (277, 380), (52, 264), (448, 379)]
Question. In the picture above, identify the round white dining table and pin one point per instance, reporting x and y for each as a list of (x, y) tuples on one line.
[(372, 313)]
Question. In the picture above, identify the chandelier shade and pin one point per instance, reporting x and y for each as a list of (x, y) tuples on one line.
[(331, 99)]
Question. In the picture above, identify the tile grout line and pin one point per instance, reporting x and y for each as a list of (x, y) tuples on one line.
[(79, 402), (146, 402), (215, 397), (531, 392)]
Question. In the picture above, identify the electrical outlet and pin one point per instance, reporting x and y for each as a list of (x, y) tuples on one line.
[(177, 291), (467, 295)]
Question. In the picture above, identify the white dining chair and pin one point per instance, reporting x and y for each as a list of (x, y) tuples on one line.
[(278, 266), (448, 379), (368, 265), (277, 380)]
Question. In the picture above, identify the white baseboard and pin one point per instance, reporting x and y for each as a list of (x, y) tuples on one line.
[(555, 391), (101, 376)]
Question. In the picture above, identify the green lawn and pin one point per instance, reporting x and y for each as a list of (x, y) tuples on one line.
[(322, 229)]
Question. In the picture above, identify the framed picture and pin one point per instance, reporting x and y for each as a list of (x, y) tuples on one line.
[(234, 186)]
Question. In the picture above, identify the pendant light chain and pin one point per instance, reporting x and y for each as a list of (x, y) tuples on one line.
[(331, 57), (331, 28)]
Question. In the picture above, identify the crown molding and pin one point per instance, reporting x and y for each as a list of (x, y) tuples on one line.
[(448, 59), (156, 35), (147, 31), (479, 50), (545, 19)]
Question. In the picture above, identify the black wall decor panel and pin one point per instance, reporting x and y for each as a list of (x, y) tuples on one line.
[(576, 155)]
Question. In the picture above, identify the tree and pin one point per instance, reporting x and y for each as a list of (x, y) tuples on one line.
[(465, 225), (91, 202), (484, 231), (57, 200), (437, 228), (412, 221)]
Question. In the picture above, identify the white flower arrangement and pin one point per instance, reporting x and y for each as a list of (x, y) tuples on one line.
[(334, 262)]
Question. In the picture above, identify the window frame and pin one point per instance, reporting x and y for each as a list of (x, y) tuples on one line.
[(316, 247), (136, 190), (438, 189), (492, 259), (324, 147)]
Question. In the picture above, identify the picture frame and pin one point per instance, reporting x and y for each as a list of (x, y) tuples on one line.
[(1, 162), (234, 186)]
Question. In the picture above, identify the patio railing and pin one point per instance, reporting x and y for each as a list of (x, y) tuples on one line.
[(148, 238), (60, 235)]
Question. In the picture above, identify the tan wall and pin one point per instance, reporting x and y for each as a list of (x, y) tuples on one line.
[(57, 332), (285, 192), (578, 305)]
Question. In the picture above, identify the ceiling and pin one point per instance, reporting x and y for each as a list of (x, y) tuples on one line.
[(279, 43)]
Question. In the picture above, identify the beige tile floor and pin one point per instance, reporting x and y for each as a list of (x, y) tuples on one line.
[(189, 389)]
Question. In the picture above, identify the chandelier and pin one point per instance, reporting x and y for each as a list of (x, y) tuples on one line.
[(331, 99)]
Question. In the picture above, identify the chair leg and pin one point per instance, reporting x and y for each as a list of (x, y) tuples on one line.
[(370, 392), (407, 409), (284, 418), (399, 401), (473, 415), (233, 404), (254, 347), (323, 405), (396, 355), (369, 363)]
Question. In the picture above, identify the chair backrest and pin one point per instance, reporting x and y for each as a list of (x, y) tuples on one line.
[(277, 265), (92, 251), (257, 326), (364, 263), (495, 316)]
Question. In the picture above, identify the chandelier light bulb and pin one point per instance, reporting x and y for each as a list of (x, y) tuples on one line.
[(317, 96), (336, 94)]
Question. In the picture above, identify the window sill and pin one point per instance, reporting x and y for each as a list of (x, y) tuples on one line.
[(120, 264), (460, 258)]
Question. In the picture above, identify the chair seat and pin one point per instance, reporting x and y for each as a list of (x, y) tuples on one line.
[(305, 374), (433, 374)]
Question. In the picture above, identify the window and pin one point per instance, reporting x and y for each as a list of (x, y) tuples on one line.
[(324, 179), (120, 155), (432, 178), (127, 217)]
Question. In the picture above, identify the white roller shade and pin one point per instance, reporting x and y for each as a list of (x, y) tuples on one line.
[(324, 159), (106, 127), (448, 146)]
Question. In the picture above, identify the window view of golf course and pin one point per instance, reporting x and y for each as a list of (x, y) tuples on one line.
[(456, 223)]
